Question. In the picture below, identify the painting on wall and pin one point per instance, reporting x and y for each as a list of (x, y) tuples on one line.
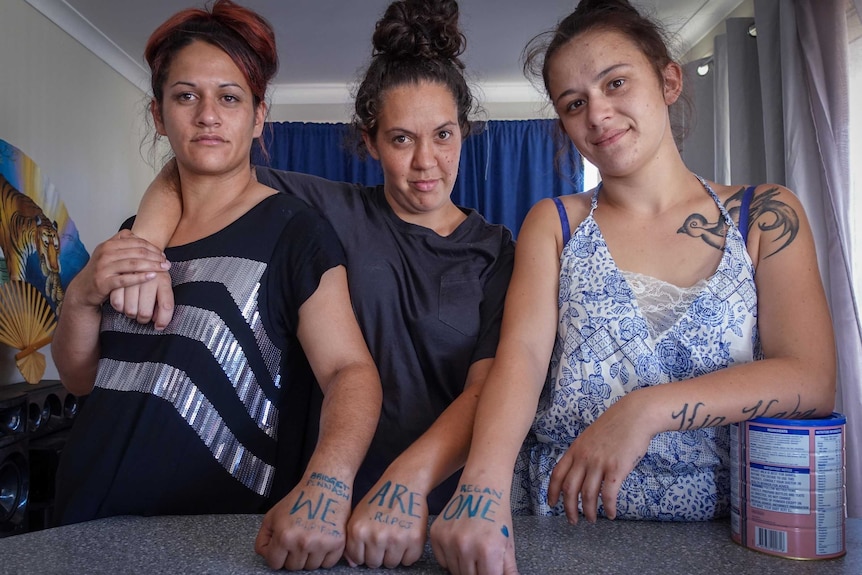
[(39, 241)]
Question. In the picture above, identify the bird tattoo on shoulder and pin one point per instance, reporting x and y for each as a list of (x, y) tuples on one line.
[(766, 211)]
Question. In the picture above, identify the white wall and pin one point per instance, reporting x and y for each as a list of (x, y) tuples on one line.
[(79, 120), (335, 113)]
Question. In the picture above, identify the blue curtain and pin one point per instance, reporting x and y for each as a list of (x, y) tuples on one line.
[(506, 166)]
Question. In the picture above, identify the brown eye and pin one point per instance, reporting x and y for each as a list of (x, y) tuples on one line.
[(574, 105)]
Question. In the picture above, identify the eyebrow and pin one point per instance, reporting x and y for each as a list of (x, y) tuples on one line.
[(596, 78), (446, 124), (194, 85)]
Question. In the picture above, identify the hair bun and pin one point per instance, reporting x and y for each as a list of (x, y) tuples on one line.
[(419, 29)]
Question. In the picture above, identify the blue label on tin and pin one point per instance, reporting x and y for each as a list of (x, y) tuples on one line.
[(834, 419), (778, 430)]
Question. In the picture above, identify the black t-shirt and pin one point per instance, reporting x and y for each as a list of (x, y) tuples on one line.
[(429, 306), (209, 415)]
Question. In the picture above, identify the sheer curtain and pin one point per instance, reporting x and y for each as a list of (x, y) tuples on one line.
[(782, 115), (506, 166)]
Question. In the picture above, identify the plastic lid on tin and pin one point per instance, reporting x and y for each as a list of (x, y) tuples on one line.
[(834, 419)]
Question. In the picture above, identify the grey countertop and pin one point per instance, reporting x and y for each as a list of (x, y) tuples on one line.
[(223, 544)]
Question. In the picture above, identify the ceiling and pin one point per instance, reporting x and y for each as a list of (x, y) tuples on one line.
[(324, 44)]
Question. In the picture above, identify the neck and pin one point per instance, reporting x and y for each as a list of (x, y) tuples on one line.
[(206, 195), (210, 203), (443, 221), (653, 188)]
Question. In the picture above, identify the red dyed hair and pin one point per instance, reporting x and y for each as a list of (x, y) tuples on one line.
[(244, 35)]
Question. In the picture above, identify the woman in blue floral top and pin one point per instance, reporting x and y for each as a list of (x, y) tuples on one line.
[(660, 321)]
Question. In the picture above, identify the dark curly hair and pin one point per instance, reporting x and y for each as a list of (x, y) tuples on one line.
[(415, 41)]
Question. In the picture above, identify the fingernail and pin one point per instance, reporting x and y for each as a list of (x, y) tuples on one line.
[(166, 265), (150, 275)]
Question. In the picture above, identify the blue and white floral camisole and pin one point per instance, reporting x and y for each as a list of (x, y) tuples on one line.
[(606, 347)]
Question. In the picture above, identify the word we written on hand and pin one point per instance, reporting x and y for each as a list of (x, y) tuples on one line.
[(324, 504)]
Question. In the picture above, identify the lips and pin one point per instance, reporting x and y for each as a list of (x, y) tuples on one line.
[(210, 139), (424, 185), (609, 137)]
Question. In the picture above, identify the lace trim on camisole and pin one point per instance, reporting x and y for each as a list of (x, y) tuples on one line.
[(661, 303)]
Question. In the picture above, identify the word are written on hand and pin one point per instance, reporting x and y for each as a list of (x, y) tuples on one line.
[(397, 499)]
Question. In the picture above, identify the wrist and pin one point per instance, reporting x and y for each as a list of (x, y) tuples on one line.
[(417, 477), (77, 298), (644, 409)]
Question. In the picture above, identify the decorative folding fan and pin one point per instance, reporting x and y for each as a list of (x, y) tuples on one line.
[(27, 323)]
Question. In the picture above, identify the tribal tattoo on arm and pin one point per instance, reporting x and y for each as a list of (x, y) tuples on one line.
[(766, 212)]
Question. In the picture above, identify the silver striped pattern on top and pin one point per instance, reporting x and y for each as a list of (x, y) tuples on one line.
[(241, 278), (176, 388)]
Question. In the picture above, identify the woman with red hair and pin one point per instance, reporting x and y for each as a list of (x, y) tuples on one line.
[(210, 414)]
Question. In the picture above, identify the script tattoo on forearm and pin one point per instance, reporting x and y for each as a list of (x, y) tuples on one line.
[(758, 409), (396, 502), (765, 211), (688, 421), (792, 414), (475, 501), (692, 417)]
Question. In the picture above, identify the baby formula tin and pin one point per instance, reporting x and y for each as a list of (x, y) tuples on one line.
[(787, 486)]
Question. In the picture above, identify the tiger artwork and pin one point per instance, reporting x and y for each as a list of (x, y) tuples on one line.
[(25, 230)]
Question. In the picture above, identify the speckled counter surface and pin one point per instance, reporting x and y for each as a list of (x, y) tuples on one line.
[(223, 544)]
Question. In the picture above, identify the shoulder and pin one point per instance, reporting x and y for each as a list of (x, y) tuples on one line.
[(297, 182), (731, 195), (775, 215), (546, 216), (290, 214), (284, 203), (479, 229)]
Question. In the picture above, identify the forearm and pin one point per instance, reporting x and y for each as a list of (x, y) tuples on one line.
[(75, 347), (442, 449), (502, 422), (504, 414), (348, 419), (779, 387), (160, 208)]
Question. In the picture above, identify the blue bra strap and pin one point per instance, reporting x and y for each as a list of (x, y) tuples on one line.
[(743, 212), (564, 220)]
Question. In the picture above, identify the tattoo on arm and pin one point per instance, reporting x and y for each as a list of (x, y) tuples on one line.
[(694, 420), (692, 417), (765, 211), (795, 413), (758, 409)]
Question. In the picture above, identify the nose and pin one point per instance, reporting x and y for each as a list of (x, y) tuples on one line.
[(208, 113), (423, 155), (598, 109)]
